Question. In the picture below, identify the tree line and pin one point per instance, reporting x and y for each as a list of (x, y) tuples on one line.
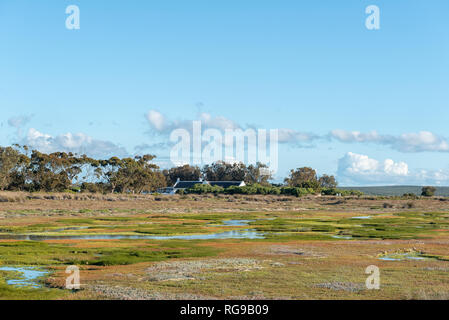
[(22, 169)]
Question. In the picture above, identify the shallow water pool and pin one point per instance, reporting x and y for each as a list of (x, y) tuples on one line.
[(27, 276), (362, 217), (401, 257), (234, 234)]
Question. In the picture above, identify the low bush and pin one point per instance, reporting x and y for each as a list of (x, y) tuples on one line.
[(344, 193), (204, 188)]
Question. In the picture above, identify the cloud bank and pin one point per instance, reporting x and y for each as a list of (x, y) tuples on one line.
[(72, 142), (423, 141), (161, 125), (357, 169)]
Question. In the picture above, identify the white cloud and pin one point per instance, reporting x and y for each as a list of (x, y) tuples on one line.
[(72, 142), (159, 124), (395, 169), (296, 137), (156, 120), (38, 140), (423, 141), (432, 177), (358, 169), (355, 136), (19, 122), (220, 123), (407, 142)]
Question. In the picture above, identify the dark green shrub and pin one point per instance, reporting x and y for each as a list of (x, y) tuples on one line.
[(204, 188), (428, 191)]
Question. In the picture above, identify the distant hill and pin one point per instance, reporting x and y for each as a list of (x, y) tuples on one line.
[(397, 190)]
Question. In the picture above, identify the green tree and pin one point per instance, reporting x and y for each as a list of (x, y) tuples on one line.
[(10, 159), (304, 177), (428, 191), (223, 171), (184, 173), (105, 171), (51, 172), (133, 174), (146, 175), (327, 181), (258, 173)]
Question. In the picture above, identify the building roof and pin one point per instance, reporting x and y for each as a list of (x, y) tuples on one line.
[(186, 184)]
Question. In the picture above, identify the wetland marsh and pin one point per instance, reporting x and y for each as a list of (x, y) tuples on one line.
[(255, 248)]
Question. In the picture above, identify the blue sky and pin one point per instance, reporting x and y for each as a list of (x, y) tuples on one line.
[(303, 66)]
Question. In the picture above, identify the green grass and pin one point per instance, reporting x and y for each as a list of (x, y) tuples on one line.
[(12, 292), (292, 226), (121, 257), (284, 227), (403, 225), (78, 221), (16, 293), (41, 253)]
